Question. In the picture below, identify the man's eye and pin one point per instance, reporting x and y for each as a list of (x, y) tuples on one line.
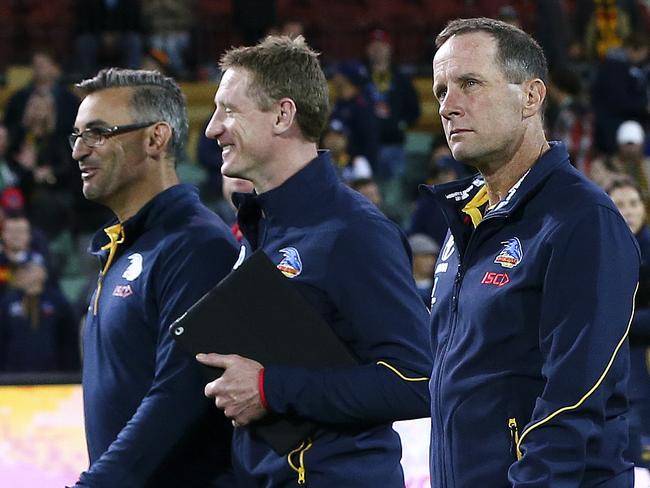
[(441, 94)]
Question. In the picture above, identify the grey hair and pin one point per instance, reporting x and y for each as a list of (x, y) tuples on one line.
[(155, 97)]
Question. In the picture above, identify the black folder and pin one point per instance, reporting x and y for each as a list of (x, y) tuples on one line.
[(257, 313)]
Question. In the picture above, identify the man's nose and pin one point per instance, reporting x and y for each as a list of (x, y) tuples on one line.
[(450, 105), (80, 149), (215, 127)]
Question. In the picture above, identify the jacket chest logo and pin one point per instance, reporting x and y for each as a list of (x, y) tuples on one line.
[(135, 267), (291, 264), (122, 291), (511, 254)]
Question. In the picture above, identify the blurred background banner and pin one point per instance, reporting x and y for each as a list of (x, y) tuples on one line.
[(42, 438), (41, 435)]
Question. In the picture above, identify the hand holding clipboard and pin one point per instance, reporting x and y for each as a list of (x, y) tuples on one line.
[(256, 313)]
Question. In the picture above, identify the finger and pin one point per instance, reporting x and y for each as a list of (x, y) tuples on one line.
[(216, 360), (215, 388)]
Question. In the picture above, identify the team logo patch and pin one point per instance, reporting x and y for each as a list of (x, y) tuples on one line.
[(135, 268), (496, 279), (122, 291), (291, 265), (511, 254)]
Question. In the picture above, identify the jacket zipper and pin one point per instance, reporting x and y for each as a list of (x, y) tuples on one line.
[(454, 301), (300, 453), (514, 438), (116, 236)]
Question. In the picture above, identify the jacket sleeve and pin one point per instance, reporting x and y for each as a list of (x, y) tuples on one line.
[(175, 402), (587, 306), (369, 281)]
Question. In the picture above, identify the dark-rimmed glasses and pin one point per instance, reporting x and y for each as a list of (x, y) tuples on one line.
[(96, 136)]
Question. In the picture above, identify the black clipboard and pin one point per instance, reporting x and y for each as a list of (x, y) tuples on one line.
[(257, 313)]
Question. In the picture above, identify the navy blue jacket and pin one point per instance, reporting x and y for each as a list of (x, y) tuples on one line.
[(353, 265), (147, 420), (530, 315)]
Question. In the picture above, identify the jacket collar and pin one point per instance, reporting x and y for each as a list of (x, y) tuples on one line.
[(158, 208), (456, 195), (294, 200)]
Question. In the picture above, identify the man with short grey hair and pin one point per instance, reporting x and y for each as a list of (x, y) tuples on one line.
[(533, 289), (147, 422)]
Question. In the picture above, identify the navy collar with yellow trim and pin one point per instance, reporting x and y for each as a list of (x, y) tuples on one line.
[(458, 199), (151, 214)]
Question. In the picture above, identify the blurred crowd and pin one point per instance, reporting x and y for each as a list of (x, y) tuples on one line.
[(597, 104)]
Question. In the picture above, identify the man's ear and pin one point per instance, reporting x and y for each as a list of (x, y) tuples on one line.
[(285, 115), (159, 137), (534, 96)]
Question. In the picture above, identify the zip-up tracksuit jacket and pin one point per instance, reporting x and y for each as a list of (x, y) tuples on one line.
[(531, 308), (147, 420), (353, 266)]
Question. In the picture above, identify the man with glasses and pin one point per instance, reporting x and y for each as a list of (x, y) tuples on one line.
[(147, 421)]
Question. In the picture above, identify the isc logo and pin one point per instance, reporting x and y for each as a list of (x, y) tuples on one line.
[(496, 279)]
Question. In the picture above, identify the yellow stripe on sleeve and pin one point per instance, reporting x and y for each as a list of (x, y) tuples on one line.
[(394, 370)]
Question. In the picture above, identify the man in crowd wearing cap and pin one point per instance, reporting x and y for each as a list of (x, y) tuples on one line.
[(395, 104), (354, 111), (629, 160), (425, 252)]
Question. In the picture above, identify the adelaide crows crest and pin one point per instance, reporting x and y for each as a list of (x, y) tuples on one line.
[(511, 254), (291, 265)]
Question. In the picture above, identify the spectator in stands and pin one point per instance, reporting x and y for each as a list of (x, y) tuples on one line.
[(568, 117), (17, 247), (427, 218), (39, 117), (627, 197), (620, 91), (169, 23), (604, 25), (38, 331), (425, 253), (355, 111), (629, 160), (9, 175), (109, 33), (156, 60), (335, 140), (368, 188), (395, 105)]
